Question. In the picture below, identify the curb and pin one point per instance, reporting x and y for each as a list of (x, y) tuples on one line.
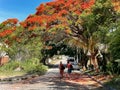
[(18, 78)]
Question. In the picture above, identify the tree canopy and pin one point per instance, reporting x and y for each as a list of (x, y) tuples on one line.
[(80, 23)]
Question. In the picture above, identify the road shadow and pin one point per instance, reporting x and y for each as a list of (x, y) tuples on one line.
[(56, 83), (53, 81)]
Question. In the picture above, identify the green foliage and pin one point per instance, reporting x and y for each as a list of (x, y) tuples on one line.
[(90, 27), (1, 25), (61, 49), (31, 66), (115, 44), (37, 69), (9, 66), (110, 69), (113, 67), (118, 65)]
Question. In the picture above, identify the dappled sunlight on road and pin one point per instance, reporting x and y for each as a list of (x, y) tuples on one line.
[(86, 80), (52, 81)]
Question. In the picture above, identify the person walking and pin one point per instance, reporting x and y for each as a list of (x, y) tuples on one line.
[(61, 69), (70, 67)]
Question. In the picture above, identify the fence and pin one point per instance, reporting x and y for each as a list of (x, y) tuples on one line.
[(4, 60)]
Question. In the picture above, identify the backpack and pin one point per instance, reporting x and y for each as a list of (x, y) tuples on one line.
[(71, 66), (62, 67)]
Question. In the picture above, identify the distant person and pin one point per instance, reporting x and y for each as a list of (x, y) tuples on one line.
[(61, 69), (70, 68)]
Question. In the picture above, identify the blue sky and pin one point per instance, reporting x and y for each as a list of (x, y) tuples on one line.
[(19, 9)]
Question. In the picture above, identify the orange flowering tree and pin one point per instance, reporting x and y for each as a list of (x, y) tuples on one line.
[(116, 5), (7, 30), (53, 19), (8, 35), (50, 21), (19, 43), (81, 20), (60, 20), (8, 27)]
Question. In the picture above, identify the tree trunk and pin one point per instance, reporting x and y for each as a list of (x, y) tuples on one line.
[(94, 61)]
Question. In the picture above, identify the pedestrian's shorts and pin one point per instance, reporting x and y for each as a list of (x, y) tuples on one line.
[(69, 71)]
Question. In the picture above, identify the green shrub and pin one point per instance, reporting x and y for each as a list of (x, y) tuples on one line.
[(110, 68), (31, 66), (27, 65), (38, 69), (10, 66), (113, 67)]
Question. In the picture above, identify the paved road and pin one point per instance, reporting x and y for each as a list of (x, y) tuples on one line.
[(49, 81)]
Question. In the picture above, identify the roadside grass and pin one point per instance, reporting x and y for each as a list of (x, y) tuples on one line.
[(8, 74), (19, 68)]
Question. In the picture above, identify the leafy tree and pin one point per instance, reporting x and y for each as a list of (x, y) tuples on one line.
[(19, 41), (115, 42), (51, 20), (73, 19), (80, 23), (7, 28)]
